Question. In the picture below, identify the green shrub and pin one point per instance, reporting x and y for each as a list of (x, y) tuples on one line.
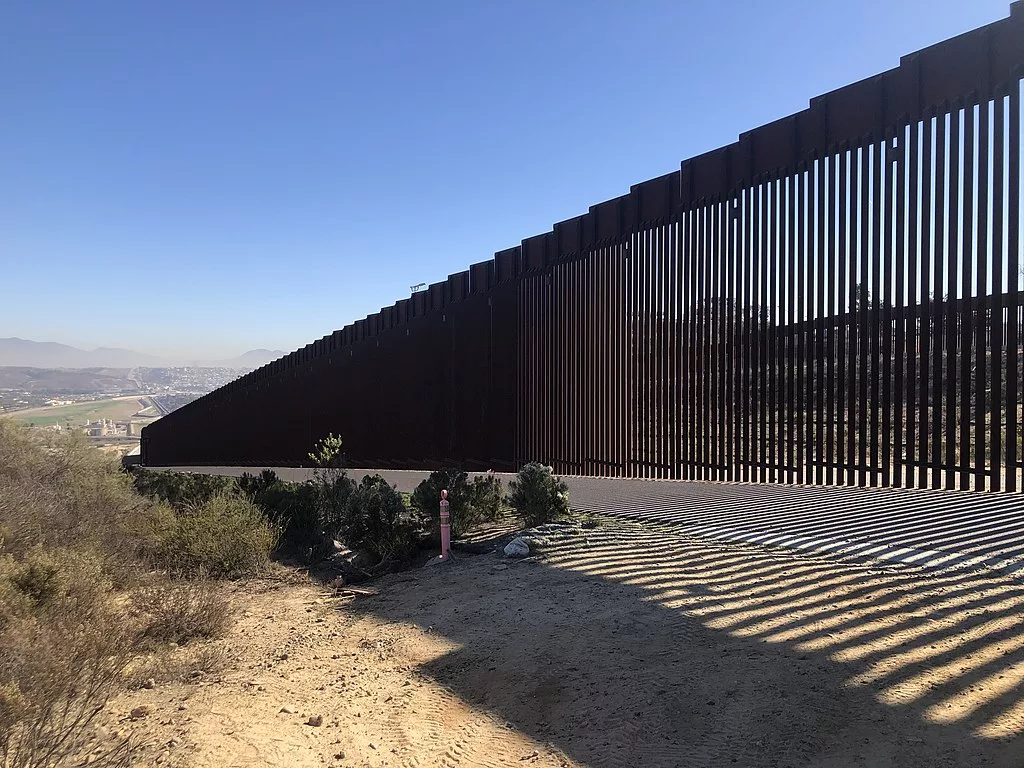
[(425, 501), (538, 496), (377, 522), (293, 507), (333, 485), (226, 536), (488, 498), (470, 502), (307, 515), (326, 453), (256, 485), (180, 489), (331, 494)]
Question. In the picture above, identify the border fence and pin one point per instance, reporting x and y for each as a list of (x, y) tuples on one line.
[(835, 298)]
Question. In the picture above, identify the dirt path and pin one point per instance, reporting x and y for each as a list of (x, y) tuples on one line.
[(625, 646), (298, 651)]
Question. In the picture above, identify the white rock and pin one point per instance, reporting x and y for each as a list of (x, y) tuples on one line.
[(517, 548)]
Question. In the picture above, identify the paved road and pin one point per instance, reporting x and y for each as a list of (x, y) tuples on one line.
[(918, 527), (163, 409)]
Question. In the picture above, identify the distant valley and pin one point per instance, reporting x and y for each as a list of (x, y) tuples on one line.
[(48, 354), (25, 387), (108, 394), (67, 381)]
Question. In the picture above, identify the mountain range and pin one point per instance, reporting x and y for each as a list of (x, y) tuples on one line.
[(49, 354)]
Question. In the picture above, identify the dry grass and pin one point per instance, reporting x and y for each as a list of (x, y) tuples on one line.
[(64, 644), (75, 538), (58, 489), (188, 664), (227, 536), (182, 611)]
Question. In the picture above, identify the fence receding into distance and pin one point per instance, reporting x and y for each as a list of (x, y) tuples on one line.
[(835, 298)]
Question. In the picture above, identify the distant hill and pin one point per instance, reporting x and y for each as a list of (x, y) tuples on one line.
[(254, 358), (48, 354), (81, 381)]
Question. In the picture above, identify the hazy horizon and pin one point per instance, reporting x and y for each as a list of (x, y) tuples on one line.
[(28, 353), (177, 352)]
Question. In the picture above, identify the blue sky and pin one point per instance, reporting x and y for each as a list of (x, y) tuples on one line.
[(204, 178)]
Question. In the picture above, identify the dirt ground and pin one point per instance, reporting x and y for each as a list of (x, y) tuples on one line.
[(622, 646)]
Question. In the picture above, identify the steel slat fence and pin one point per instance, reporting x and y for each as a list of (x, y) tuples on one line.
[(833, 299)]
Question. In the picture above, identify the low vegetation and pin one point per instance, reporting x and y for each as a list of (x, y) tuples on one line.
[(64, 644), (332, 491), (181, 489), (99, 568), (91, 575), (377, 522), (370, 517), (226, 536), (60, 491), (181, 611), (538, 496), (292, 507), (470, 502)]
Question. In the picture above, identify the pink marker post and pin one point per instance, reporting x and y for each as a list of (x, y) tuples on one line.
[(446, 529)]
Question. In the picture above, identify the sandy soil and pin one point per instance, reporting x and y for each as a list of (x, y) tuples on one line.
[(624, 646)]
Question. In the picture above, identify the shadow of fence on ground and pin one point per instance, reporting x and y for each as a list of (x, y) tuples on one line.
[(650, 647), (918, 527)]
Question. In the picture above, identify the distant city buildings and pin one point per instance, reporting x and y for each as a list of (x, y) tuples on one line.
[(166, 389), (110, 428)]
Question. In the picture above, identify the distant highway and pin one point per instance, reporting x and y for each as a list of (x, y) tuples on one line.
[(133, 375), (163, 409)]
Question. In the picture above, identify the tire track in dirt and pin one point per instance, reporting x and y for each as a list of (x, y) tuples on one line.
[(471, 746), (435, 728)]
